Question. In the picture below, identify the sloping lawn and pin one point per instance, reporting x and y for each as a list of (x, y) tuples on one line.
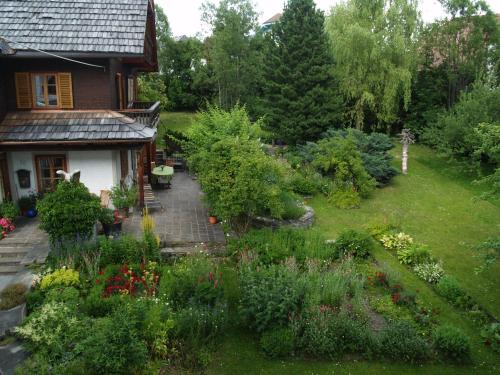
[(436, 206), (178, 121)]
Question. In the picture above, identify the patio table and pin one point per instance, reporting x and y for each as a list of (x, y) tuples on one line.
[(164, 174)]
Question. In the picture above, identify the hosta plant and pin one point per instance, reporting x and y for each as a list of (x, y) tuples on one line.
[(430, 272), (396, 241), (414, 254)]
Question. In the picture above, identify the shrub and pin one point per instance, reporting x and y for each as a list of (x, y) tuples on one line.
[(66, 295), (414, 254), (430, 272), (277, 343), (491, 335), (400, 341), (269, 296), (386, 306), (353, 243), (9, 210), (339, 159), (131, 280), (97, 306), (113, 345), (125, 249), (450, 289), (123, 196), (452, 344), (305, 183), (292, 209), (69, 213), (396, 241), (12, 296), (324, 332), (60, 277)]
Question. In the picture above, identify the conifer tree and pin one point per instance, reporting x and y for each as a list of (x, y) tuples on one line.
[(299, 91)]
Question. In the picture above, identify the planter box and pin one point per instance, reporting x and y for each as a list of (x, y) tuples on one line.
[(11, 318)]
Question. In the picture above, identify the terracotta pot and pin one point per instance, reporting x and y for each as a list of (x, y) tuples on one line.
[(212, 219)]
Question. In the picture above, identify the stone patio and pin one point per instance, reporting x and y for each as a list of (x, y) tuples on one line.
[(183, 219)]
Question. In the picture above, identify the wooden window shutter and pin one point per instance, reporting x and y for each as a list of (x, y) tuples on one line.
[(65, 90), (23, 90)]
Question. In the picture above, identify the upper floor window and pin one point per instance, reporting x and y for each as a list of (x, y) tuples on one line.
[(44, 90)]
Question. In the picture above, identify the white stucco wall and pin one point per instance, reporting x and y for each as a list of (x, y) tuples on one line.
[(98, 169), (21, 160)]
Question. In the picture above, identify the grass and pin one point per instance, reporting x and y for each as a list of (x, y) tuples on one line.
[(178, 121), (435, 204)]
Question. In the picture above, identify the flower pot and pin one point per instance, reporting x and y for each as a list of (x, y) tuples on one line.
[(117, 229), (212, 219), (12, 318), (31, 213), (107, 229)]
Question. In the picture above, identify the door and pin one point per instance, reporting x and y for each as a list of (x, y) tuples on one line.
[(4, 178), (46, 168)]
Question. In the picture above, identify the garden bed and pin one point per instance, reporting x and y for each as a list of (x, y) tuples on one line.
[(305, 221)]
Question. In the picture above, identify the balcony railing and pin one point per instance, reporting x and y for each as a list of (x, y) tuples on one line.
[(147, 113)]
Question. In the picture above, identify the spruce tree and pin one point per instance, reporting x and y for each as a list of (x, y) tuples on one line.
[(300, 99)]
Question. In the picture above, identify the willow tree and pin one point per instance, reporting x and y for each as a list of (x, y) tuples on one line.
[(374, 47)]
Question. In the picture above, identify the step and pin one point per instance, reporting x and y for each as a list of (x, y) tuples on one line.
[(6, 270), (11, 261), (13, 251)]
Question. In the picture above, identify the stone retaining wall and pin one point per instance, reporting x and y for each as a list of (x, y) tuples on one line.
[(305, 221)]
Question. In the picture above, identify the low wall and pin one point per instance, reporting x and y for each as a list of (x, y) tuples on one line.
[(305, 221)]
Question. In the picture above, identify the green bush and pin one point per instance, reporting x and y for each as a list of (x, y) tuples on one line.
[(69, 213), (414, 254), (354, 243), (9, 210), (278, 343), (12, 295), (124, 197), (429, 271), (291, 206), (450, 289), (401, 342), (67, 295), (60, 277), (324, 332), (491, 336), (275, 246), (269, 295), (95, 305), (452, 344), (113, 345), (124, 249), (303, 184)]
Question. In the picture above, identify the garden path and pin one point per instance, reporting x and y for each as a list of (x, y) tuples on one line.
[(183, 220)]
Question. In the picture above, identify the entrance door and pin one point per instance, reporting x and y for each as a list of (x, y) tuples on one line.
[(4, 178), (47, 166)]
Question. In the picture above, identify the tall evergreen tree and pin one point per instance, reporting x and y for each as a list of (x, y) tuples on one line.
[(299, 100)]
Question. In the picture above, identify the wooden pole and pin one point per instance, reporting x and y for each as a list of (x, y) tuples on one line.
[(140, 176)]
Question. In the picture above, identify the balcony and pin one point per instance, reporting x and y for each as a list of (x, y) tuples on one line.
[(147, 113)]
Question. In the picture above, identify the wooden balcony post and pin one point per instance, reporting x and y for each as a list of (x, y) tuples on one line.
[(140, 176)]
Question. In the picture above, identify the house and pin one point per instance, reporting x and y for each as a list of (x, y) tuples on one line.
[(266, 25), (68, 93)]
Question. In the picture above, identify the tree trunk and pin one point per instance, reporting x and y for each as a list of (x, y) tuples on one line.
[(405, 158)]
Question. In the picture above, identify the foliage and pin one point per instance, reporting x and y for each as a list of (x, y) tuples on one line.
[(374, 149), (452, 344), (429, 271), (232, 53), (53, 331), (401, 341), (239, 180), (397, 241), (300, 98), (385, 306), (123, 196), (491, 335), (9, 210), (128, 280), (450, 289), (353, 243), (490, 250), (339, 159), (125, 249), (269, 295), (194, 280), (106, 216), (374, 45), (304, 182), (67, 295), (276, 246), (12, 295), (323, 331), (68, 213), (413, 254), (113, 345), (152, 88), (60, 277), (278, 342)]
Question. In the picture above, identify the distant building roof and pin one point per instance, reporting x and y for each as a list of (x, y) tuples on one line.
[(72, 126), (84, 26), (273, 19)]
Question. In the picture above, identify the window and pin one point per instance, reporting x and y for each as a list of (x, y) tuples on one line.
[(45, 90), (47, 166)]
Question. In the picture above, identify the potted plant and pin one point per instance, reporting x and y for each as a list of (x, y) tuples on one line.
[(107, 219), (27, 205), (117, 223), (12, 307), (124, 197), (212, 219)]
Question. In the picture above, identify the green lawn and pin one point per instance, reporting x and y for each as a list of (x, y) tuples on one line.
[(178, 121), (435, 204)]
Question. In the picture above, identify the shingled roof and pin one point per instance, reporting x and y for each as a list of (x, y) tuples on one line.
[(72, 126), (105, 26)]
